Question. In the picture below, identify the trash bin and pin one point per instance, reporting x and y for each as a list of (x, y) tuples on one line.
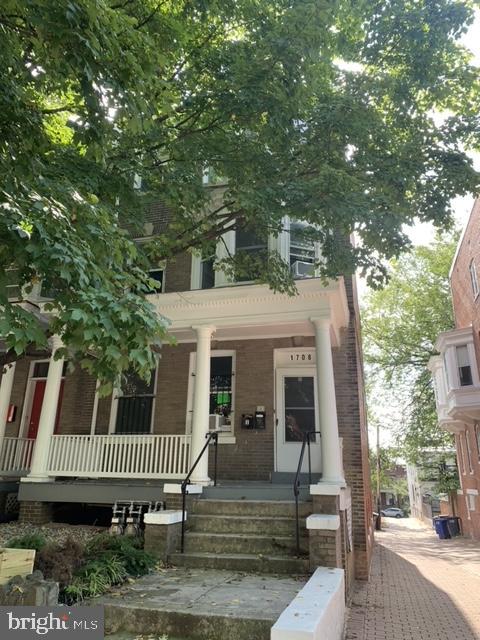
[(454, 526), (441, 527)]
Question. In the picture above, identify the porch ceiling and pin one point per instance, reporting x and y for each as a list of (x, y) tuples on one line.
[(255, 311)]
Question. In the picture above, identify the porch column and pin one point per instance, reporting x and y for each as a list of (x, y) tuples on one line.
[(330, 444), (5, 394), (46, 425), (201, 404)]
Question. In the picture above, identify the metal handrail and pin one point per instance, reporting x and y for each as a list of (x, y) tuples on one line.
[(212, 435), (296, 483)]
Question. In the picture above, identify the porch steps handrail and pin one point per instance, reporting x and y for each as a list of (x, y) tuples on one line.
[(296, 482), (114, 456)]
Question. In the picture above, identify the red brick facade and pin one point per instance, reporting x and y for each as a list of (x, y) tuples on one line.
[(466, 306)]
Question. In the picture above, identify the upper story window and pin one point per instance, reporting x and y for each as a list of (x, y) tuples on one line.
[(469, 452), (249, 242), (207, 273), (473, 279), (158, 277), (302, 251), (464, 368), (477, 438)]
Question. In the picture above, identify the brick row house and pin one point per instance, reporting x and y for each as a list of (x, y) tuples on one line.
[(257, 367), (456, 376)]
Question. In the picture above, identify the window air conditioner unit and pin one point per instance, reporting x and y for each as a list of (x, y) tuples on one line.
[(302, 269), (216, 422)]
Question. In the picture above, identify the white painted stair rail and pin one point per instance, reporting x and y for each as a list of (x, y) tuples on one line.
[(116, 456), (16, 455)]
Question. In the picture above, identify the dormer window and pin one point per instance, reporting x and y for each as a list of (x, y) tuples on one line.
[(464, 368)]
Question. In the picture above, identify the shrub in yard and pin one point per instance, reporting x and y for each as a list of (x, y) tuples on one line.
[(94, 578), (129, 551), (59, 562), (28, 541)]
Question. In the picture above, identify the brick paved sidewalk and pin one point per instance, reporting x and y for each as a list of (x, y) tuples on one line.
[(421, 588)]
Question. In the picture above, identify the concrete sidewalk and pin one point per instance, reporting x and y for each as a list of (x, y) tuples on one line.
[(421, 588)]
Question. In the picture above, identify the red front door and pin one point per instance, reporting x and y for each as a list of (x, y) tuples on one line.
[(38, 393)]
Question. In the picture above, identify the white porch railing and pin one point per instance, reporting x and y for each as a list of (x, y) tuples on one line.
[(16, 456), (115, 456)]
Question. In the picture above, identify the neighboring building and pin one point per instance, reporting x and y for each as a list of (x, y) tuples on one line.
[(423, 482), (393, 493), (456, 373), (259, 367)]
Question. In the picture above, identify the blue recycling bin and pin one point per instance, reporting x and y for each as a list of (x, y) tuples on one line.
[(441, 527), (454, 526)]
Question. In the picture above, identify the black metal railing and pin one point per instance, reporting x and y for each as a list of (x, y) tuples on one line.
[(210, 437), (297, 482)]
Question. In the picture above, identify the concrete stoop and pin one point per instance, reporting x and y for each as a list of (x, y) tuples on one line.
[(256, 536), (200, 605)]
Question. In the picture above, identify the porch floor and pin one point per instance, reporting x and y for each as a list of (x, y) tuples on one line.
[(200, 604)]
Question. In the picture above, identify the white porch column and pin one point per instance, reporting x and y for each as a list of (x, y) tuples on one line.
[(46, 425), (332, 472), (201, 404), (5, 394)]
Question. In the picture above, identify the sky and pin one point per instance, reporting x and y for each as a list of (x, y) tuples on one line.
[(422, 233)]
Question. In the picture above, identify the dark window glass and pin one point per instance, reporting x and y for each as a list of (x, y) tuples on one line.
[(221, 385), (465, 374), (157, 276), (302, 248), (299, 408), (40, 369), (208, 273), (134, 411)]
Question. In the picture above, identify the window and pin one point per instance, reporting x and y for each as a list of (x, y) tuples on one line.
[(222, 392), (477, 438), (471, 501), (40, 369), (473, 278), (135, 404), (157, 275), (221, 386), (469, 452), (463, 364), (249, 243), (461, 454), (207, 273), (302, 251)]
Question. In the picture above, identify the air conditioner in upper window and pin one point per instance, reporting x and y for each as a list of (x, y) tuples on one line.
[(302, 269)]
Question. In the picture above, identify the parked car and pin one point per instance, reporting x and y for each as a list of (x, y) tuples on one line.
[(392, 512)]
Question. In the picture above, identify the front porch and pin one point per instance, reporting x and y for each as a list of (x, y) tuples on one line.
[(97, 456)]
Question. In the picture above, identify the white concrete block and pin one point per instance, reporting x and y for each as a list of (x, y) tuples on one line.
[(325, 489), (345, 498), (177, 488), (169, 516), (323, 521), (317, 612)]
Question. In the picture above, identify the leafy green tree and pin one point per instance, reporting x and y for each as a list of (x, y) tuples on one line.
[(401, 323), (316, 109)]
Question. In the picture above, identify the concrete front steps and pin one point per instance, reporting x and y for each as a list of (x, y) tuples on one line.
[(254, 536)]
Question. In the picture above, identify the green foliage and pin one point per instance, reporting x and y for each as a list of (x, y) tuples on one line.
[(127, 550), (313, 109), (440, 468), (28, 541), (401, 323)]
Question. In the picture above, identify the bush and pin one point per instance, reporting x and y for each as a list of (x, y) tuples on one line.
[(28, 541), (59, 562), (136, 561)]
